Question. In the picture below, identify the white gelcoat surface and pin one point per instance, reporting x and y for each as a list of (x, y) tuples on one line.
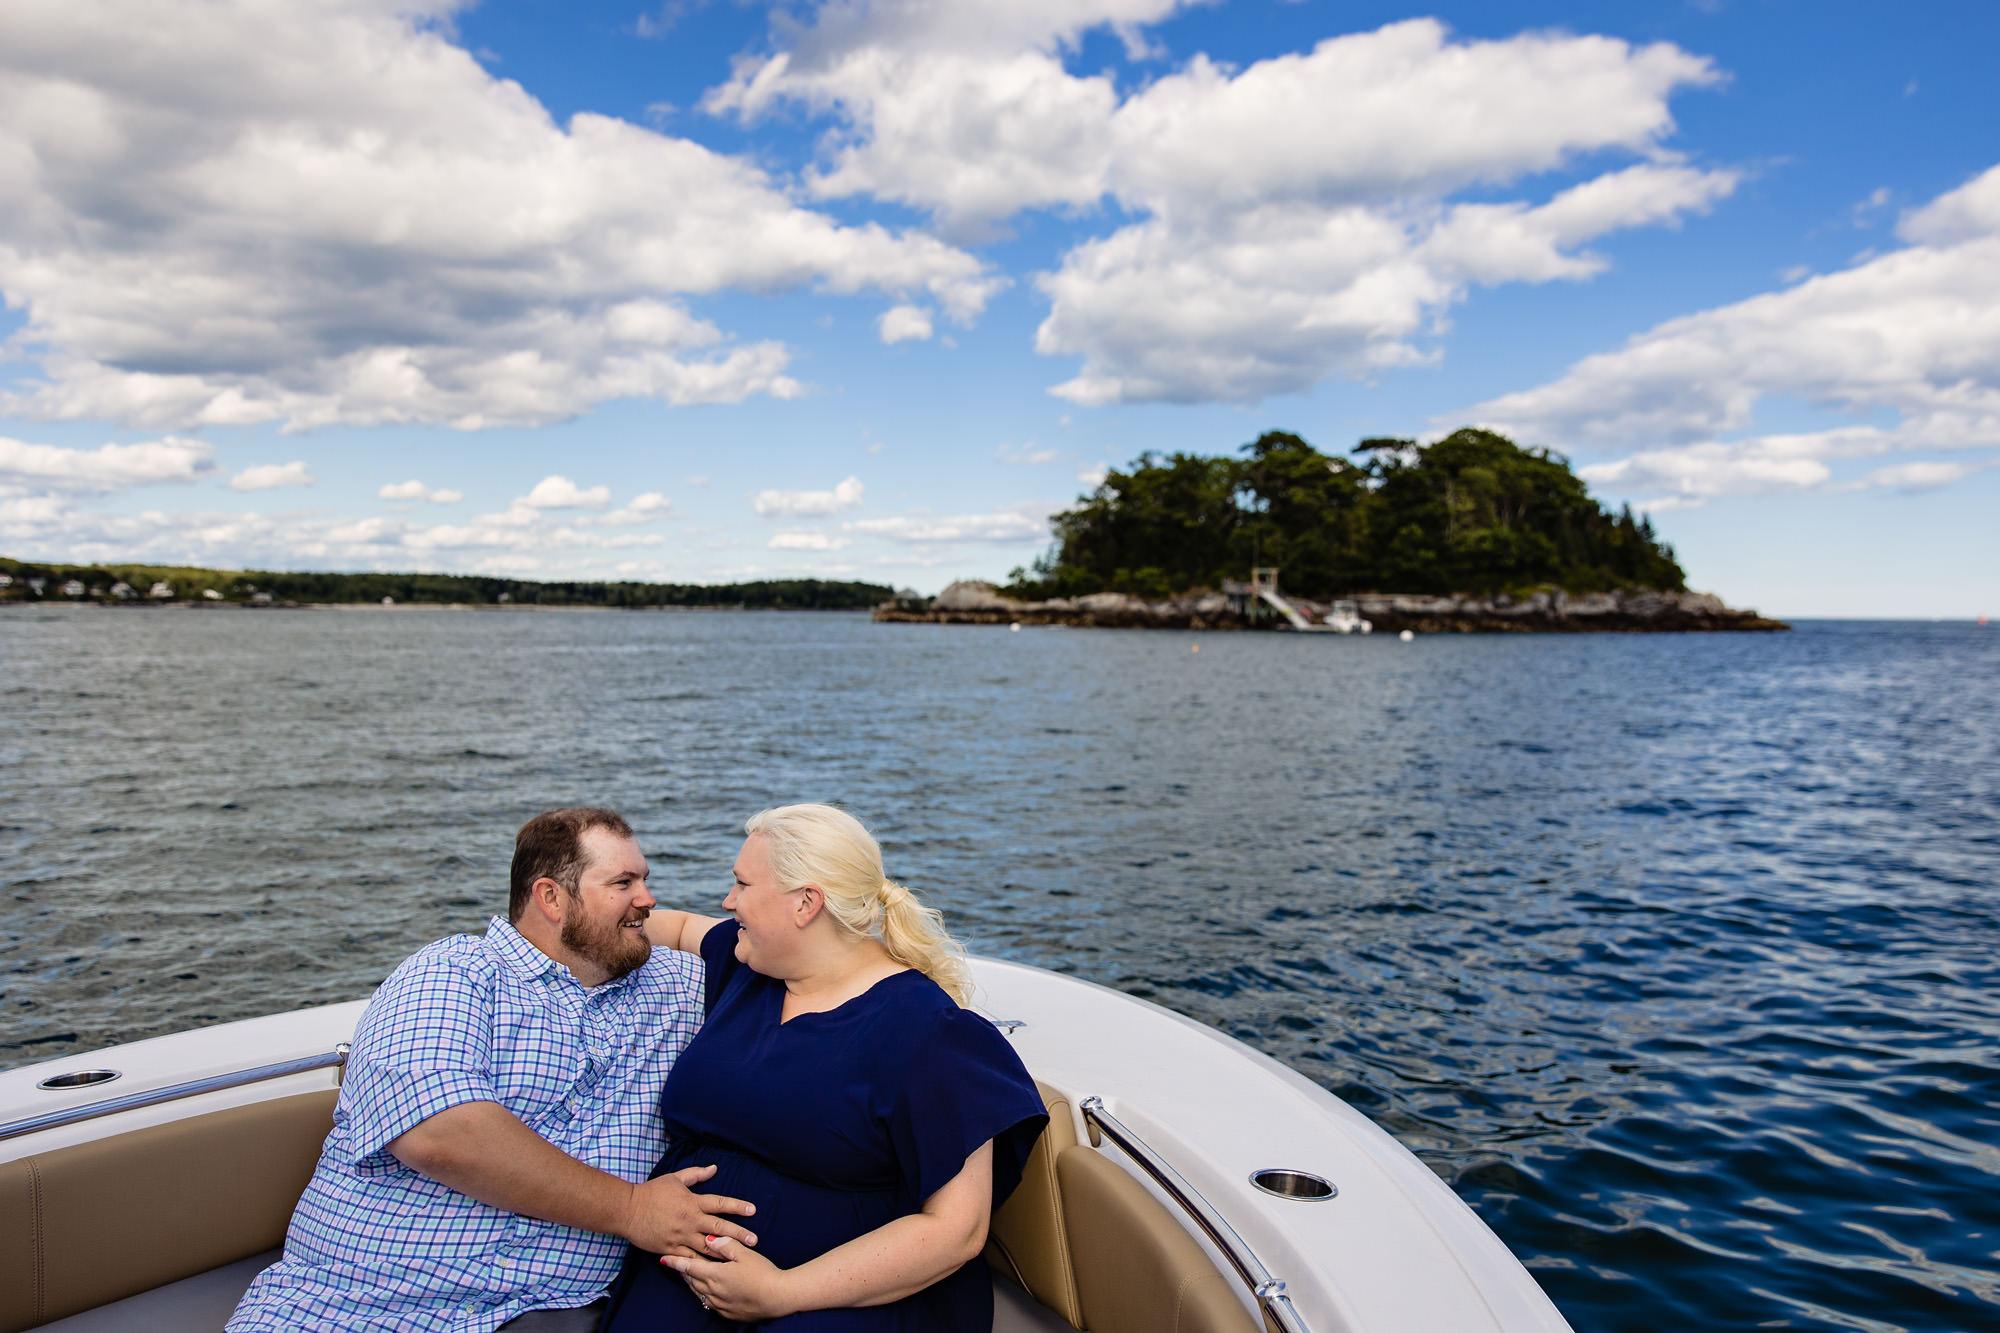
[(1395, 1252)]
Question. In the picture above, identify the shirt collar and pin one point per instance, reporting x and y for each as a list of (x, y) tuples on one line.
[(515, 951)]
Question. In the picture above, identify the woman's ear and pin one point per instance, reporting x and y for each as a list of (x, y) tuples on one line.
[(811, 900)]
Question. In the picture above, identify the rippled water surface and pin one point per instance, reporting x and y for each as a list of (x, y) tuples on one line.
[(1675, 955)]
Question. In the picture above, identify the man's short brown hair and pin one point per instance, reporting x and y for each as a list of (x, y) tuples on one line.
[(550, 846)]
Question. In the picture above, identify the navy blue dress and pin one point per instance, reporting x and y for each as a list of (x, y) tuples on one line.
[(834, 1124)]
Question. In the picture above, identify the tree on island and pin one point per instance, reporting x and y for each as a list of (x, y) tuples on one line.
[(1471, 513)]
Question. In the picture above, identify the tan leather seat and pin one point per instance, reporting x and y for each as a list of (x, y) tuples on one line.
[(90, 1224), (83, 1226), (1092, 1245), (1137, 1271), (1029, 1238)]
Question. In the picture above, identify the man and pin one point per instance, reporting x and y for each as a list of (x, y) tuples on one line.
[(499, 1115)]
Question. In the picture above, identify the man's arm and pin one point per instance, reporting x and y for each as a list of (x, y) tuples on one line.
[(680, 931), (481, 1149)]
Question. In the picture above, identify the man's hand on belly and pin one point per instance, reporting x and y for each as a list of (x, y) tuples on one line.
[(481, 1149), (665, 1216)]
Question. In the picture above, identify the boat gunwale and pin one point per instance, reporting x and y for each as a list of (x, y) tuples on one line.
[(335, 1059)]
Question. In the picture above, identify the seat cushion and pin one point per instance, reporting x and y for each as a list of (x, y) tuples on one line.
[(1015, 1311), (1028, 1241), (198, 1304), (1137, 1270), (93, 1223)]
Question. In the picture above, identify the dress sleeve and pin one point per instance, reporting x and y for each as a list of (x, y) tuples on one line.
[(423, 1045), (718, 958), (964, 1086)]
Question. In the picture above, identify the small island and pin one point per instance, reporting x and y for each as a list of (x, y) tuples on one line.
[(1469, 534)]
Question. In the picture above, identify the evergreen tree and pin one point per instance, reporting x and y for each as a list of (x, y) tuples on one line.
[(1473, 512)]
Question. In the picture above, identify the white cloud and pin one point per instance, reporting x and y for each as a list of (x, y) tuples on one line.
[(540, 546), (1094, 476), (109, 467), (325, 212), (961, 109), (1969, 213), (416, 490), (1021, 524), (559, 492), (902, 323), (647, 508), (1705, 471), (1275, 259), (805, 541), (809, 504), (1292, 219), (271, 476), (696, 481), (1026, 455), (1923, 476), (1911, 336)]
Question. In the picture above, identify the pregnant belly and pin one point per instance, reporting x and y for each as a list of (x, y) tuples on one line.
[(796, 1220)]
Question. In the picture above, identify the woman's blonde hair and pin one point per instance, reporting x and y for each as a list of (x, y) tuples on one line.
[(831, 850)]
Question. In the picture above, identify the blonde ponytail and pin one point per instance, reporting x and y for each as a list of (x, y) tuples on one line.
[(831, 850)]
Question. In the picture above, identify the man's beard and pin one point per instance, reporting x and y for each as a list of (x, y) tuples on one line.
[(610, 946)]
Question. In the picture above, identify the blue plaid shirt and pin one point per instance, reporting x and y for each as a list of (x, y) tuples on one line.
[(375, 1245)]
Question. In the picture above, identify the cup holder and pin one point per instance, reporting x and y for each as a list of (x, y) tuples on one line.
[(81, 1078), (1301, 1185)]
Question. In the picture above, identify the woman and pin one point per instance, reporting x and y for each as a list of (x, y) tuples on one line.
[(838, 1084)]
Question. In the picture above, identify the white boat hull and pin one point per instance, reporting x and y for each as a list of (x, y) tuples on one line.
[(1394, 1251)]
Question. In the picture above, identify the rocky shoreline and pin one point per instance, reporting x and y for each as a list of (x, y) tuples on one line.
[(1548, 610)]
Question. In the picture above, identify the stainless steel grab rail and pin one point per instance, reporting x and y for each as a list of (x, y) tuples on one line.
[(1269, 1290), (132, 1101)]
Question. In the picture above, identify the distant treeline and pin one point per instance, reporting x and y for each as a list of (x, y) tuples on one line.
[(138, 583), (1472, 513)]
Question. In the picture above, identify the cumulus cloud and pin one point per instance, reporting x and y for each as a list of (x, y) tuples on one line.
[(109, 467), (805, 541), (559, 492), (416, 490), (809, 504), (645, 508), (504, 543), (1923, 476), (903, 323), (1294, 218), (1027, 523), (1912, 336), (327, 213), (964, 110), (271, 476)]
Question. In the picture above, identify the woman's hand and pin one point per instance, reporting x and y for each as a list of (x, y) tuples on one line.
[(737, 1283)]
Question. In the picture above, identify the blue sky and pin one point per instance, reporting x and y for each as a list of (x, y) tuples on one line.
[(711, 291)]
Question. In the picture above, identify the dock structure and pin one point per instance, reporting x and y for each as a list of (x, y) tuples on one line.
[(1263, 588)]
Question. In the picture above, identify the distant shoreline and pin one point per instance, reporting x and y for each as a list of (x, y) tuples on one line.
[(48, 603), (56, 583)]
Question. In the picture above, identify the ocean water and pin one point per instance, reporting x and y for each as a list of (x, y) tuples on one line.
[(1675, 955)]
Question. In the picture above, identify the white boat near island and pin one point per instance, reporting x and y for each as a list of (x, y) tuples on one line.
[(1186, 1183)]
